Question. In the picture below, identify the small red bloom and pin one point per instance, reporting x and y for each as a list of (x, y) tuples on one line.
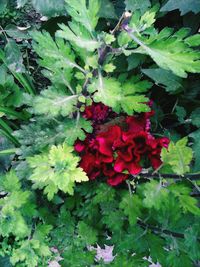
[(97, 112)]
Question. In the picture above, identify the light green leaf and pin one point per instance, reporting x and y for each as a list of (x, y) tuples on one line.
[(111, 93), (184, 6), (56, 170), (155, 195), (56, 57), (77, 35), (193, 40), (169, 52), (171, 82), (178, 156), (189, 204), (85, 15), (54, 103)]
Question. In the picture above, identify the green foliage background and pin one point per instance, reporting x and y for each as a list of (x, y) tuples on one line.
[(56, 57)]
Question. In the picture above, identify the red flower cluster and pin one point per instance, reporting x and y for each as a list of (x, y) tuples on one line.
[(119, 150)]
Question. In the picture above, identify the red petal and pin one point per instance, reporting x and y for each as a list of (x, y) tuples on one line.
[(117, 179)]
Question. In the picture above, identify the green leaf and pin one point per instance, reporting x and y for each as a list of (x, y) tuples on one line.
[(78, 35), (181, 114), (165, 78), (85, 15), (30, 252), (184, 6), (193, 40), (133, 5), (170, 52), (54, 103), (107, 10), (87, 234), (175, 259), (11, 220), (49, 8), (57, 57), (76, 130), (136, 85), (135, 60), (5, 262), (3, 5), (178, 156), (56, 170), (14, 58), (173, 55), (110, 219), (15, 32), (195, 117), (189, 204), (155, 195), (196, 148), (132, 207), (110, 92), (192, 242)]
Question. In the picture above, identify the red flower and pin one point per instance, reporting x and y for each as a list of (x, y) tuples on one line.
[(118, 151), (97, 112)]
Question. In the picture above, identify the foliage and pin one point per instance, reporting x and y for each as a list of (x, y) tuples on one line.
[(56, 59), (178, 156), (56, 170)]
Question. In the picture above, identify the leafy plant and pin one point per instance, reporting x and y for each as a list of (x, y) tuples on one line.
[(115, 83)]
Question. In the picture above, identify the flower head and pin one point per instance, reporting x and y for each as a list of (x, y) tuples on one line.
[(118, 150)]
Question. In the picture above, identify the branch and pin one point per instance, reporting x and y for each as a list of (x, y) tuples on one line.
[(157, 230), (193, 177), (104, 51)]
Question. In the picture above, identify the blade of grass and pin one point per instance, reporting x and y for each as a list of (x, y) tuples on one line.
[(23, 78), (25, 81), (11, 112), (7, 132), (8, 151)]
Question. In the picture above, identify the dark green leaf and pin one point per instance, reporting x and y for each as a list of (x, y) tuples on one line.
[(184, 6), (133, 5), (171, 82), (14, 58), (107, 10), (196, 147), (50, 8)]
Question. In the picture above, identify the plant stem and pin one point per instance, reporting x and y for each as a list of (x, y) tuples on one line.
[(156, 230), (191, 176)]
